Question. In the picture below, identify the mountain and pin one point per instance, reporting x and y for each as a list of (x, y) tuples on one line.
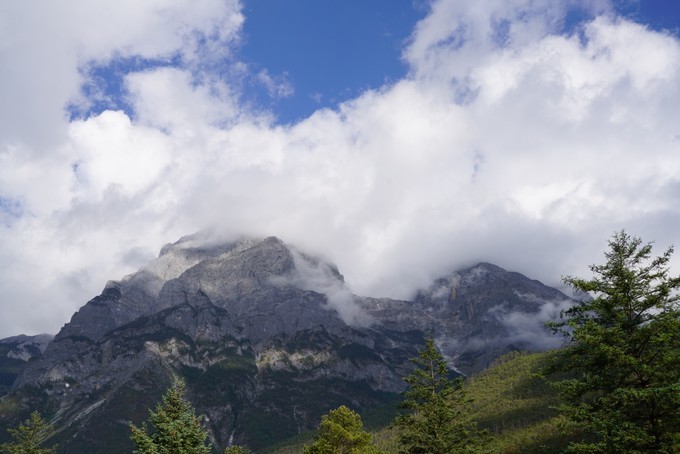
[(478, 314), (268, 338), (15, 353)]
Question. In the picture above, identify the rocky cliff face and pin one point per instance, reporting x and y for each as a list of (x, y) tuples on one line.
[(268, 338)]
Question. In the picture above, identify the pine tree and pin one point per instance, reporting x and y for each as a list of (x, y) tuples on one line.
[(438, 418), (29, 436), (623, 361), (342, 432), (176, 428)]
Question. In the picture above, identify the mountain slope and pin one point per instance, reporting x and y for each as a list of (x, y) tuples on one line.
[(513, 402)]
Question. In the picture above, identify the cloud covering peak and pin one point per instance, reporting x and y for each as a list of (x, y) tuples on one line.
[(517, 137)]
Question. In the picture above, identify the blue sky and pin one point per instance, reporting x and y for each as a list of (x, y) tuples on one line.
[(658, 14), (329, 51), (323, 52), (400, 139)]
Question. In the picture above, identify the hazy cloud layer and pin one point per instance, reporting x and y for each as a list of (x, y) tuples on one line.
[(318, 276), (528, 329), (511, 141)]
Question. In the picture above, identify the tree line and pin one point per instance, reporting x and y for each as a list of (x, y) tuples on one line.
[(618, 375)]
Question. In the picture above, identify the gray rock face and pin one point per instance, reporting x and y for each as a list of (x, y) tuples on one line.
[(15, 352), (137, 295), (480, 313), (505, 310), (268, 338)]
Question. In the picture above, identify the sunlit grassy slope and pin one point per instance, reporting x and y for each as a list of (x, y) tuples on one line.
[(511, 400), (515, 404)]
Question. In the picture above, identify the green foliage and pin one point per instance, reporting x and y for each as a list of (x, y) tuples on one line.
[(387, 439), (624, 383), (516, 405), (237, 450), (293, 445), (29, 436), (177, 429), (342, 432), (438, 418)]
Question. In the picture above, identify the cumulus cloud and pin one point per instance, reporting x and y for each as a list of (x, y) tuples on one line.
[(512, 140), (46, 46)]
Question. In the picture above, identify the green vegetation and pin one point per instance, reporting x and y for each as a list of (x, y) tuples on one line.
[(516, 405), (176, 428), (438, 418), (624, 355), (29, 436), (511, 400), (293, 445), (342, 432), (237, 450)]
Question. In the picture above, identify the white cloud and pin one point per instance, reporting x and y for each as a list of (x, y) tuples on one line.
[(319, 277), (527, 328), (47, 44), (277, 86), (508, 142), (169, 100)]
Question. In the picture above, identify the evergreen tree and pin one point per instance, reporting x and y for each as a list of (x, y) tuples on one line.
[(176, 428), (438, 418), (29, 436), (342, 432), (622, 365)]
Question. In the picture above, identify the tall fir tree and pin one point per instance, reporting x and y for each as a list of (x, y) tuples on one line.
[(29, 437), (176, 428), (438, 418), (622, 365)]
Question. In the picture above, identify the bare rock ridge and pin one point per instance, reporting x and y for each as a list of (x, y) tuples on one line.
[(268, 339)]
